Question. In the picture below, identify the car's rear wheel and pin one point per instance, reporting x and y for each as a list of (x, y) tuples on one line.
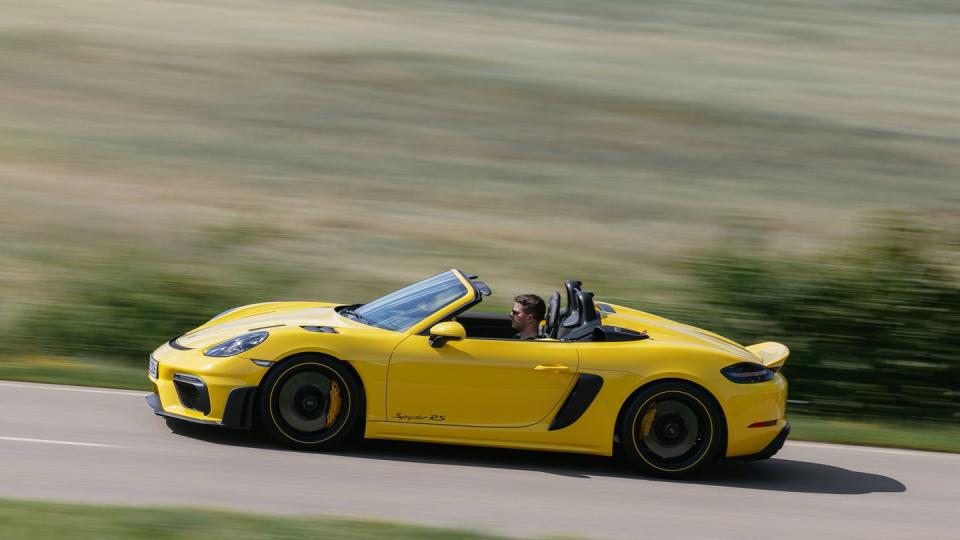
[(310, 403), (671, 429)]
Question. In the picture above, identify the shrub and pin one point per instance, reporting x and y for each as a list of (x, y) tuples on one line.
[(122, 306), (873, 327)]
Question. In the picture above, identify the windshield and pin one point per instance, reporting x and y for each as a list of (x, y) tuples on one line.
[(402, 309)]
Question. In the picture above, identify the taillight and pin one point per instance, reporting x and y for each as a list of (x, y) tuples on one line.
[(747, 372)]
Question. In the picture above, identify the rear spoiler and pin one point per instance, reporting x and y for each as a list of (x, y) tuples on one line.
[(770, 354)]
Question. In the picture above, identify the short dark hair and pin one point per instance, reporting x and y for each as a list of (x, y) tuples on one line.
[(532, 304)]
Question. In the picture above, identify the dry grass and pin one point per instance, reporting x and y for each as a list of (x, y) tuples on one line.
[(371, 143)]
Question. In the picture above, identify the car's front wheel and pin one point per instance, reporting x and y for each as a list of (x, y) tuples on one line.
[(671, 429), (310, 403)]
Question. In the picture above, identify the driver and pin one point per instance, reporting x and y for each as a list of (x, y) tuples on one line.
[(528, 311)]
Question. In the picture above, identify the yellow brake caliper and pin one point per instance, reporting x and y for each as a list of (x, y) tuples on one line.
[(647, 423), (335, 404)]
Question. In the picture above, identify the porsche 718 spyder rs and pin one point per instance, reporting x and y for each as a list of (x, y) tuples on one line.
[(421, 364)]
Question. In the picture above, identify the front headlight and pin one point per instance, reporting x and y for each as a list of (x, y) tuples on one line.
[(237, 345)]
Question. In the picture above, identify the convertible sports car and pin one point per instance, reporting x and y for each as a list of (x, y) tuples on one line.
[(422, 364)]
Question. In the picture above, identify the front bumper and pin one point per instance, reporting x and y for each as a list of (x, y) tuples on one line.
[(196, 388), (238, 412)]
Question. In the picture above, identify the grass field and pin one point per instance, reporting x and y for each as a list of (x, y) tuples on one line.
[(915, 435), (369, 143), (41, 521)]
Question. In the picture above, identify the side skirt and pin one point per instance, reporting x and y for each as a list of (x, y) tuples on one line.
[(533, 438)]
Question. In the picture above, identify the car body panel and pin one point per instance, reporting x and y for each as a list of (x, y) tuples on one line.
[(592, 433), (483, 391), (478, 382), (283, 315)]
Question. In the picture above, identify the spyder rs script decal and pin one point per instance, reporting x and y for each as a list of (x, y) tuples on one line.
[(419, 417)]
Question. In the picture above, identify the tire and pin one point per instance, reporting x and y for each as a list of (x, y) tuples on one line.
[(310, 403), (671, 430)]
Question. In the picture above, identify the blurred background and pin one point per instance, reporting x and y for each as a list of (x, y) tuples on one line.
[(780, 170)]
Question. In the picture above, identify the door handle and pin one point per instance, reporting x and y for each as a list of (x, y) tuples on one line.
[(556, 368)]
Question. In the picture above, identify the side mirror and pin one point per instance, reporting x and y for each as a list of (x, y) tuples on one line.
[(446, 331)]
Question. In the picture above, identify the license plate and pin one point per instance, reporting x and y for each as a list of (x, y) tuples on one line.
[(154, 365)]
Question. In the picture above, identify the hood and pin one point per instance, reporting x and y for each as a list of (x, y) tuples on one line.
[(278, 316)]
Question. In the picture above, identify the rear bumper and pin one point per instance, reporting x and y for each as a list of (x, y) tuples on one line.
[(237, 414), (772, 448), (756, 415)]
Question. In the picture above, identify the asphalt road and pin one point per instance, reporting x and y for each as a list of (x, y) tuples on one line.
[(76, 444)]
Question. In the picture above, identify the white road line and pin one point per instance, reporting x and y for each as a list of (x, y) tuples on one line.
[(871, 449), (62, 388), (67, 443)]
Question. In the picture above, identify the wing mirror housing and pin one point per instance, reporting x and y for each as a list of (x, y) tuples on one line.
[(446, 331)]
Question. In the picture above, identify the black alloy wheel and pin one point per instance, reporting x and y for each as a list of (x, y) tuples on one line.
[(310, 403), (671, 429)]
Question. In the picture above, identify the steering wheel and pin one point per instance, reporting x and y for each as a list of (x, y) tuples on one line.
[(553, 316)]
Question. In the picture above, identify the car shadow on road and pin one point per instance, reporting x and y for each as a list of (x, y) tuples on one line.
[(798, 477), (773, 474)]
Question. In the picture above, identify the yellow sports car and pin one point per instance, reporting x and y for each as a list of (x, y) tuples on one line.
[(423, 364)]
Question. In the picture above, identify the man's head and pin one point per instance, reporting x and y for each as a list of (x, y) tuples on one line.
[(527, 312)]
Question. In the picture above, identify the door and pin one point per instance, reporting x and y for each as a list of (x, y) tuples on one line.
[(478, 382)]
